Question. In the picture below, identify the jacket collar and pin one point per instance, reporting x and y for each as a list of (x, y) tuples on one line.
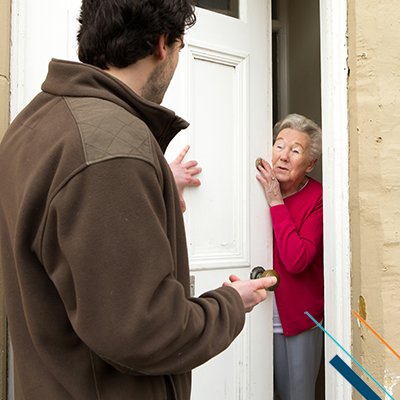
[(74, 79)]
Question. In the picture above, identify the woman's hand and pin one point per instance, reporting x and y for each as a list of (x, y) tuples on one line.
[(183, 174), (270, 183)]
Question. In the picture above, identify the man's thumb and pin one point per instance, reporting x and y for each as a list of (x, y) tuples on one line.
[(266, 282)]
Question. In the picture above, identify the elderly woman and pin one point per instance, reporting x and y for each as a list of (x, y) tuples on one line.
[(295, 202)]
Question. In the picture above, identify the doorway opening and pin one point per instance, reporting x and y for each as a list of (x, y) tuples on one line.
[(296, 62), (296, 77)]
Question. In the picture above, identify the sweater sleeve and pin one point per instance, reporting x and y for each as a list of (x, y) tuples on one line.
[(107, 249), (297, 245)]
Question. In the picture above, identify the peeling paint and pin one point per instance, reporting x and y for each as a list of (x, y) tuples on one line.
[(362, 56), (390, 382), (362, 308)]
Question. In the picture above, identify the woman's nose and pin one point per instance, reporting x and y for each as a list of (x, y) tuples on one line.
[(284, 155)]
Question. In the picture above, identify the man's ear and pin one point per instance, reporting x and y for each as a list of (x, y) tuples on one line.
[(161, 48), (312, 164)]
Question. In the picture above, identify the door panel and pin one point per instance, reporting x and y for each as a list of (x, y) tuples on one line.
[(223, 88), (219, 226)]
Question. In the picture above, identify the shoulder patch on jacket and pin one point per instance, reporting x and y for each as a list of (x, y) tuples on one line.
[(109, 131)]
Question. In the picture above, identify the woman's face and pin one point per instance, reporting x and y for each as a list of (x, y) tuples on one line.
[(291, 156)]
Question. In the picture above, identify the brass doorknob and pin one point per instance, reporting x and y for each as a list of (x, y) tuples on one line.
[(258, 162), (260, 272)]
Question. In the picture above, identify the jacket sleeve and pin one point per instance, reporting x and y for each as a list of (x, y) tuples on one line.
[(297, 246), (106, 247)]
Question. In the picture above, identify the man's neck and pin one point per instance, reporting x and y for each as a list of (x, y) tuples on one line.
[(134, 75)]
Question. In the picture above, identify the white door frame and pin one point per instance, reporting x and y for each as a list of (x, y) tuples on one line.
[(337, 249)]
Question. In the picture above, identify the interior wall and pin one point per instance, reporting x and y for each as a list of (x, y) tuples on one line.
[(304, 63)]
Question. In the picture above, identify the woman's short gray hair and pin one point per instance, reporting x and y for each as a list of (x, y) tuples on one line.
[(305, 125)]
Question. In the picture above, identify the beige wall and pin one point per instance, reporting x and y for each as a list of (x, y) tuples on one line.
[(374, 116), (4, 121)]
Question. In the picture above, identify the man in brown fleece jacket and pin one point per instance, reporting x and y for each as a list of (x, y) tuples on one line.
[(93, 246)]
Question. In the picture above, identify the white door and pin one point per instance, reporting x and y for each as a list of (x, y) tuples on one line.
[(223, 88)]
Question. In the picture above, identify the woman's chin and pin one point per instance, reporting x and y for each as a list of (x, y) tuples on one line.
[(282, 177)]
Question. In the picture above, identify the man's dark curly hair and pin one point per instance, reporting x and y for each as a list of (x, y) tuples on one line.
[(120, 32)]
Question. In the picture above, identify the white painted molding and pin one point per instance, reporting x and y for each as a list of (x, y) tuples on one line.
[(234, 254), (17, 59), (337, 249)]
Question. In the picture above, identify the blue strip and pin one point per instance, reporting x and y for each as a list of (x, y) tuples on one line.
[(354, 379), (349, 355)]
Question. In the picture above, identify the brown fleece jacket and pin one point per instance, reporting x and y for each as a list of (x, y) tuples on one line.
[(93, 248)]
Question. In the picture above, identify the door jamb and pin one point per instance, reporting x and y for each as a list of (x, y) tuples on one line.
[(337, 245)]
